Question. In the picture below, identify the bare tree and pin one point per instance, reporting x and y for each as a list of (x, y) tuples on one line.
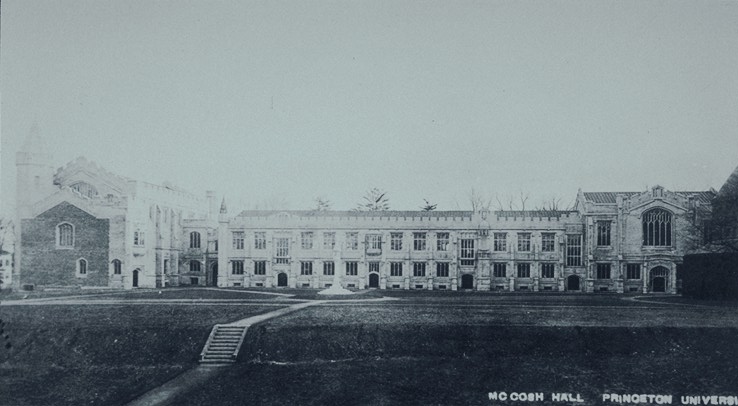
[(322, 204), (428, 206), (523, 198), (478, 201), (374, 200)]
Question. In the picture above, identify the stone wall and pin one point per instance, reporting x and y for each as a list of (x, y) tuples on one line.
[(45, 264)]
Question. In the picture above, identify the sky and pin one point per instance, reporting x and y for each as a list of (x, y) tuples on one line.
[(275, 103)]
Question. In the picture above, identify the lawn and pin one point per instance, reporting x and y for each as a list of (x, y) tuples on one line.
[(442, 353), (102, 354)]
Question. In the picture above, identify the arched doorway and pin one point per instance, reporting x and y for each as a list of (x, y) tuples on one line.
[(658, 278), (467, 281), (373, 280), (572, 283), (135, 277), (282, 279), (213, 277)]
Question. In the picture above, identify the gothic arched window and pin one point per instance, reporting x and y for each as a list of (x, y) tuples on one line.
[(65, 235), (116, 267), (657, 228), (81, 267)]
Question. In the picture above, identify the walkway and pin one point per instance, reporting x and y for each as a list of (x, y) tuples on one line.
[(167, 393)]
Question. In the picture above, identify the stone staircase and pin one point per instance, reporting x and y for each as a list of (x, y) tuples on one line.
[(223, 344)]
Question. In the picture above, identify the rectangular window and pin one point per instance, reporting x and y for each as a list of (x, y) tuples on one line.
[(306, 268), (548, 242), (547, 271), (396, 269), (442, 240), (283, 247), (396, 241), (238, 237), (374, 267), (603, 233), (352, 241), (260, 267), (467, 251), (574, 250), (138, 238), (194, 239), (352, 268), (524, 270), (260, 241), (419, 241), (306, 238), (194, 266), (329, 241), (633, 271), (237, 267), (442, 269), (374, 243), (328, 268), (603, 271), (418, 268), (523, 242), (500, 242), (499, 269)]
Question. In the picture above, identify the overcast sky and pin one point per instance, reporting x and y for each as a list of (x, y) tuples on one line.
[(267, 101)]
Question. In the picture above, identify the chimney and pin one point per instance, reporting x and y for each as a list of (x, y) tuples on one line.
[(211, 204)]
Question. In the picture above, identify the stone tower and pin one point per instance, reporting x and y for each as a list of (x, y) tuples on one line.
[(34, 173)]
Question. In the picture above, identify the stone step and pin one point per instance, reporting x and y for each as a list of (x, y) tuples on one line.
[(223, 344)]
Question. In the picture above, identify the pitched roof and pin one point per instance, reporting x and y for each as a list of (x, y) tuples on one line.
[(730, 187), (611, 197), (605, 197), (348, 213)]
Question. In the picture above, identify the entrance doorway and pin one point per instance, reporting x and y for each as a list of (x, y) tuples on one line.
[(373, 280), (467, 281), (213, 277), (135, 277), (282, 279), (658, 279), (572, 283)]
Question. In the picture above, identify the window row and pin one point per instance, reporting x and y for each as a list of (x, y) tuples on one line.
[(499, 269), (548, 242)]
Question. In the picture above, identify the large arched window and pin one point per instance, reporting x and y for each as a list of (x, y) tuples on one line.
[(194, 239), (657, 228), (81, 267), (116, 267), (65, 235)]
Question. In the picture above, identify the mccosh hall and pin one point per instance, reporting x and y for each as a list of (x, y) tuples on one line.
[(80, 225)]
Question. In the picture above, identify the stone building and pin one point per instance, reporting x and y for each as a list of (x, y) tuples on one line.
[(81, 225), (618, 242)]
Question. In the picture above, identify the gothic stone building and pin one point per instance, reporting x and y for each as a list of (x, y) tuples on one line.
[(81, 225)]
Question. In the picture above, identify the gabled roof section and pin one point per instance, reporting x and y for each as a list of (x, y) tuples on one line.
[(730, 187), (81, 167), (704, 197), (348, 213), (605, 197)]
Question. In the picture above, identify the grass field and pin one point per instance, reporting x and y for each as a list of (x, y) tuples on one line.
[(102, 354), (445, 353), (418, 348)]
